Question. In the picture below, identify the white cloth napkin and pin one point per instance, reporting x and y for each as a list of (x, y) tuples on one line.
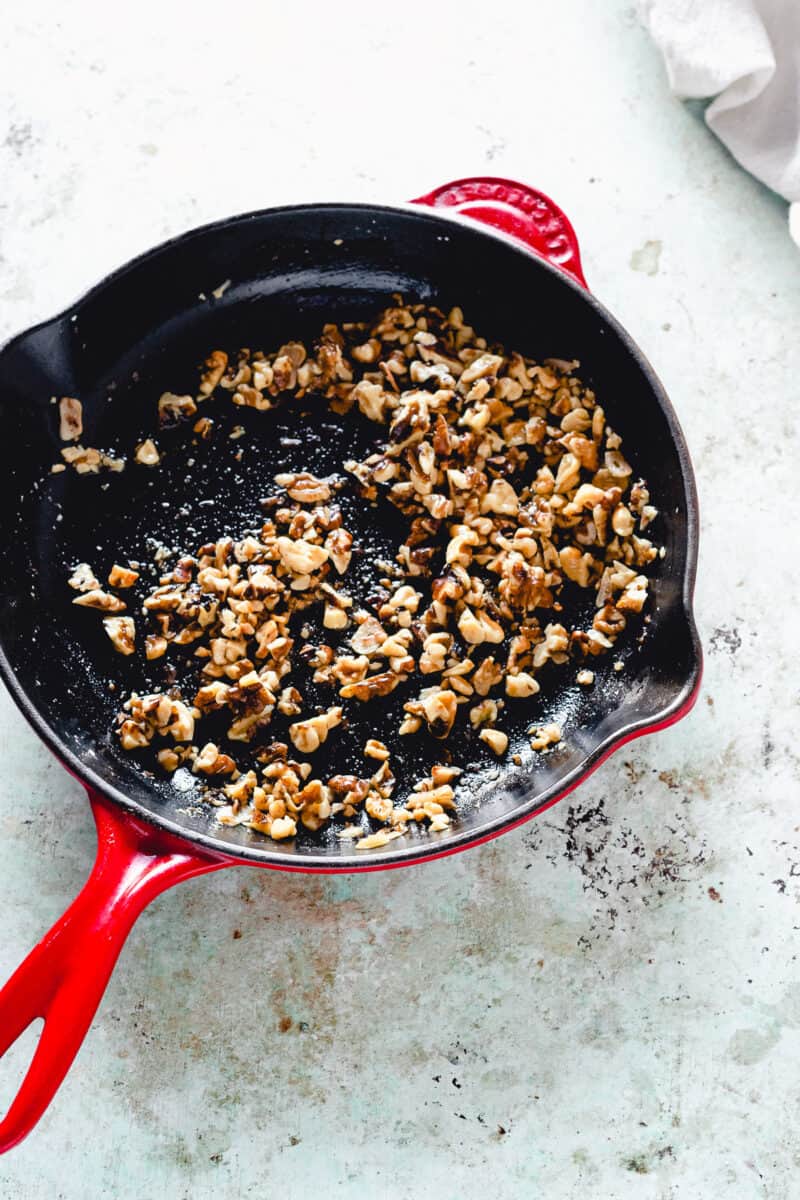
[(746, 55)]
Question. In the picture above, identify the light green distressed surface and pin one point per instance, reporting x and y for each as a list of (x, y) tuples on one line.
[(632, 1036)]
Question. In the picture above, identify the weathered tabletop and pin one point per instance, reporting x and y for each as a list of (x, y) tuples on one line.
[(607, 1002)]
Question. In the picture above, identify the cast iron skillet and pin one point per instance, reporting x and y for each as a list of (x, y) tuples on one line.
[(510, 259)]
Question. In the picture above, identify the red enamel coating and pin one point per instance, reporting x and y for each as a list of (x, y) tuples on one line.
[(64, 977), (517, 210)]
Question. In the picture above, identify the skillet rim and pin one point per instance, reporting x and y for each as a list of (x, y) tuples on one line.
[(443, 843)]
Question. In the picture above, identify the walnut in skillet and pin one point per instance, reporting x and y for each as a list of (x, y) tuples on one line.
[(514, 496)]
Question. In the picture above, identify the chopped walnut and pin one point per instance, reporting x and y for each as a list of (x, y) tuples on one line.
[(495, 739), (122, 632), (122, 577), (309, 735), (85, 460), (544, 736), (83, 579), (511, 490), (172, 407), (147, 453), (104, 601), (211, 762), (71, 419)]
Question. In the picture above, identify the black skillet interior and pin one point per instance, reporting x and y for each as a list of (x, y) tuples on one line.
[(287, 271)]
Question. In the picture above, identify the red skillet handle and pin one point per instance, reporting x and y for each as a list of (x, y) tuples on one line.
[(64, 977), (515, 209)]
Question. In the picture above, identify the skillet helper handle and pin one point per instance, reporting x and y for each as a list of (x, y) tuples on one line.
[(522, 212), (64, 977)]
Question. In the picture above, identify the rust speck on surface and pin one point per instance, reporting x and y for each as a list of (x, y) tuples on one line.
[(713, 894), (285, 1024)]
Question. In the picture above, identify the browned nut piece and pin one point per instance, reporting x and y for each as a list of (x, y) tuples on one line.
[(439, 709), (122, 577), (309, 735), (543, 736), (521, 685), (214, 368), (211, 762), (71, 419), (495, 739), (83, 579), (104, 601), (154, 646), (172, 407), (122, 632), (146, 453)]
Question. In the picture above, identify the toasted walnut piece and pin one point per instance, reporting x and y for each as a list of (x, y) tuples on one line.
[(484, 364), (495, 739), (104, 601), (521, 685), (543, 736), (576, 566), (155, 645), (439, 709), (88, 461), (147, 454), (181, 722), (501, 499), (569, 470), (470, 628), (622, 521), (484, 713), (122, 632), (372, 687), (435, 649), (380, 808), (376, 749), (122, 577), (339, 544), (71, 419), (616, 464), (309, 735), (487, 676), (290, 702), (369, 637), (281, 828), (334, 618), (350, 670), (368, 352), (632, 599), (172, 407), (83, 579), (300, 556), (211, 762), (133, 736), (304, 487), (213, 369), (169, 759), (374, 840)]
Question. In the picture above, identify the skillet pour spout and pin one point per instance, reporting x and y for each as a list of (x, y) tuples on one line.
[(509, 257)]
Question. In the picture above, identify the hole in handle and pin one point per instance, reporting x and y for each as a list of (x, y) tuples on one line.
[(15, 1061)]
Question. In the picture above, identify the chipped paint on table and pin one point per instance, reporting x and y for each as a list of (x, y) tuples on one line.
[(605, 1003)]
